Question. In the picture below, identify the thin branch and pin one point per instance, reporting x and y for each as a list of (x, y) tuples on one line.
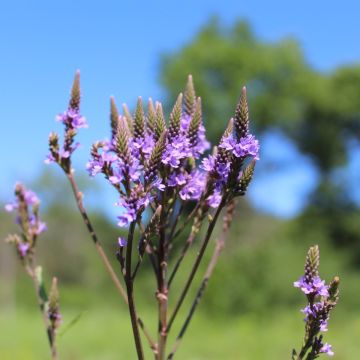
[(197, 263), (50, 334), (130, 292), (162, 293), (220, 243), (99, 248), (101, 252), (194, 231)]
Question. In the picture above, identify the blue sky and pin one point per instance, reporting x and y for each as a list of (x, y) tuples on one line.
[(116, 45)]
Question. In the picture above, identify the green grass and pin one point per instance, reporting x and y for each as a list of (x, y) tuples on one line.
[(105, 334)]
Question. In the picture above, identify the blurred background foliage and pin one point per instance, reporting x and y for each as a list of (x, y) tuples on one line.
[(319, 113)]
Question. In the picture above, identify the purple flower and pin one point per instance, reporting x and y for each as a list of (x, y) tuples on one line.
[(127, 217), (11, 206), (314, 286), (208, 164), (49, 159), (143, 145), (214, 199), (133, 205), (122, 241), (72, 119), (305, 287), (201, 144), (327, 349), (37, 226), (185, 122), (157, 183), (30, 199), (23, 249), (319, 285), (176, 150), (317, 311), (194, 187), (176, 179), (247, 146)]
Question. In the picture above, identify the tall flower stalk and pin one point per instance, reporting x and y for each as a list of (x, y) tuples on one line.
[(321, 300), (171, 190), (26, 206), (159, 169)]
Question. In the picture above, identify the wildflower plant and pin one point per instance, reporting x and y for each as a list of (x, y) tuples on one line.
[(172, 189), (167, 188), (321, 300), (26, 206)]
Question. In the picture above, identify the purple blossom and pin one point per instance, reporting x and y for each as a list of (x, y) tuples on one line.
[(105, 158), (142, 145), (73, 119), (9, 207), (201, 143), (176, 150), (30, 199), (313, 286), (194, 187), (127, 217), (327, 349), (247, 146), (317, 311), (23, 249), (214, 199), (158, 184), (122, 241), (208, 164), (49, 159), (185, 122), (36, 225), (133, 205), (176, 179)]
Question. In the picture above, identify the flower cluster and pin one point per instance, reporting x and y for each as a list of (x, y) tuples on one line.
[(321, 300), (26, 204), (148, 159), (72, 120)]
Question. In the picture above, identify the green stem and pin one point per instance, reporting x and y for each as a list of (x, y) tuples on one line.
[(130, 293), (196, 264)]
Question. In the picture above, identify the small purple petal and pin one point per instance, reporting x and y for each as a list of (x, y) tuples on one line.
[(122, 241)]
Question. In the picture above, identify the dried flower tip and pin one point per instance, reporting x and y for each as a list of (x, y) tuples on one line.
[(74, 103), (114, 117), (241, 121), (54, 139), (246, 177), (139, 123), (129, 118), (312, 263), (334, 289), (54, 294), (122, 138), (151, 117), (155, 158), (160, 125), (229, 129), (53, 310), (19, 189), (195, 123), (175, 117), (189, 97), (152, 227)]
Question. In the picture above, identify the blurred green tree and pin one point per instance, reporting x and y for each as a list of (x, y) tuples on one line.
[(318, 112)]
